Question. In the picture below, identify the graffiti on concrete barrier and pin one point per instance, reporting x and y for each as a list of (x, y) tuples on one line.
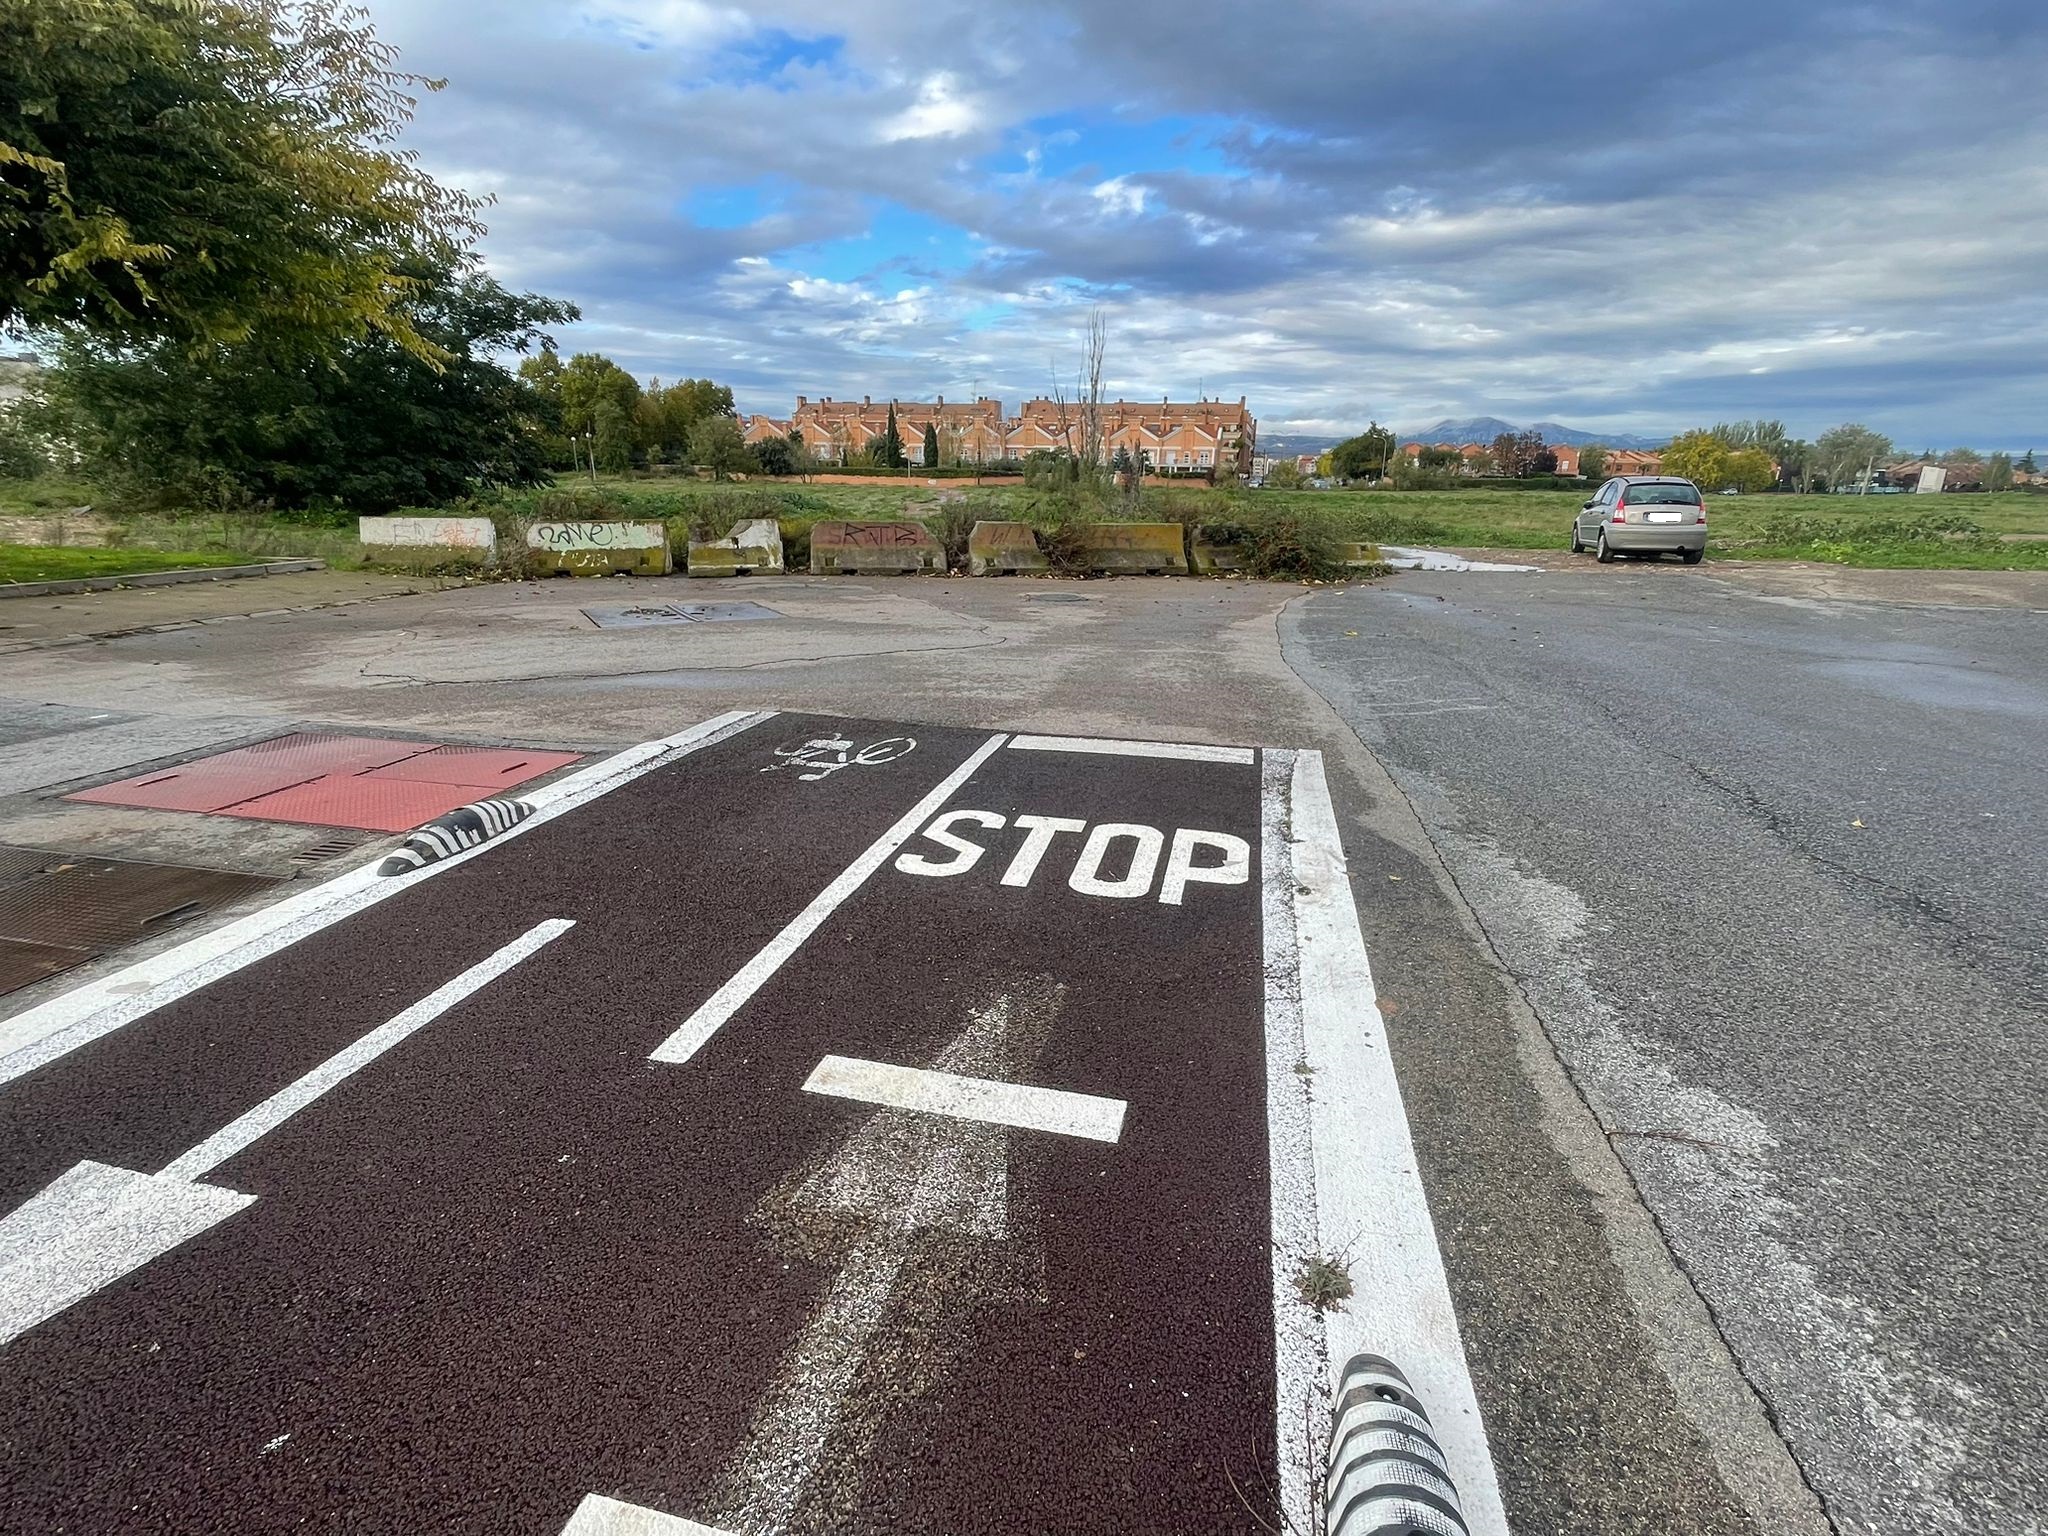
[(885, 534), (826, 755), (567, 536)]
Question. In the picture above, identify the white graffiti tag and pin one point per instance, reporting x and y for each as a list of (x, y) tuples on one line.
[(826, 755)]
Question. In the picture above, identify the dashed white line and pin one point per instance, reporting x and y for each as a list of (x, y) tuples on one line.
[(970, 1098), (1191, 751)]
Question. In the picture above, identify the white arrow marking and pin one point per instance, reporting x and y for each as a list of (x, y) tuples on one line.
[(94, 1224)]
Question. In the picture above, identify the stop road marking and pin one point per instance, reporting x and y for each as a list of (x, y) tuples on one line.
[(1087, 877)]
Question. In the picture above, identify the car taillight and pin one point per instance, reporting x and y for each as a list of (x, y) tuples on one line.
[(1702, 517), (1620, 508)]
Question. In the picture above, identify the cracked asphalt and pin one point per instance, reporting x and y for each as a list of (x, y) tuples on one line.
[(1771, 873)]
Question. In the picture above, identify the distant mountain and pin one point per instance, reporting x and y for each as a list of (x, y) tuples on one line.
[(1484, 429), (1282, 445)]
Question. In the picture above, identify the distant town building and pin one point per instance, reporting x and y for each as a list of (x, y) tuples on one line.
[(17, 372), (1173, 437)]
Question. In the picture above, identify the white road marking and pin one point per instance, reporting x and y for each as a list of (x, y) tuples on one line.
[(1182, 870), (42, 1034), (1193, 751), (970, 1098), (1039, 831), (1368, 1203), (94, 1223), (691, 1036), (1146, 843), (600, 1516), (351, 1059)]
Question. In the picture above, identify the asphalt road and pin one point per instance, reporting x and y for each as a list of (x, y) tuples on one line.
[(1770, 871), (604, 1192)]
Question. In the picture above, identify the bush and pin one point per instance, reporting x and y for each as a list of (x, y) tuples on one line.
[(1297, 539), (951, 524)]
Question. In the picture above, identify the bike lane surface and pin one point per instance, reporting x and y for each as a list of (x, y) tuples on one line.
[(952, 1213)]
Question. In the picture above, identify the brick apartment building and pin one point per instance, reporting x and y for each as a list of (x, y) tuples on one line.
[(1171, 437)]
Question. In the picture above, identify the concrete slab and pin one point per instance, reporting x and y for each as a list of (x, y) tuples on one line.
[(874, 549), (1004, 549), (1217, 559), (599, 549), (1135, 549), (752, 547), (453, 535)]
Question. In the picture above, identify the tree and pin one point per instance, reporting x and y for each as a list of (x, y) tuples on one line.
[(2026, 463), (1845, 455), (1593, 461), (1749, 470), (1998, 472), (889, 451), (1365, 456), (368, 426), (717, 443), (1120, 462), (931, 446), (1284, 475), (214, 172), (1441, 458), (1700, 457), (775, 456)]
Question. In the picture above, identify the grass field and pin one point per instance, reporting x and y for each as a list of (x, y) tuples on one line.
[(36, 562), (1954, 532)]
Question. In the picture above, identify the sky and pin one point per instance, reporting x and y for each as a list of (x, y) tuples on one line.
[(1622, 215)]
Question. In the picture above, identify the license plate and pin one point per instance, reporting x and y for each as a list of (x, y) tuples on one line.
[(1665, 517)]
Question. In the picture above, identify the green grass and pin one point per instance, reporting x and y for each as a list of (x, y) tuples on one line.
[(34, 562), (1895, 531)]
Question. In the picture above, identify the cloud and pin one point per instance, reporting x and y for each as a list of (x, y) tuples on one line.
[(1578, 211)]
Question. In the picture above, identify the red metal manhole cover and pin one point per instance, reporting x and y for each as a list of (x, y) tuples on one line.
[(478, 767), (229, 778), (360, 800)]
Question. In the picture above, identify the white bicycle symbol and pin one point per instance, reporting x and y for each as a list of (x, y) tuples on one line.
[(826, 755)]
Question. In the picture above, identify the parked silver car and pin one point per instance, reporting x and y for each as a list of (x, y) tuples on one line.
[(1643, 515)]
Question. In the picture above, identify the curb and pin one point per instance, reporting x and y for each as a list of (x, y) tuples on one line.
[(176, 578)]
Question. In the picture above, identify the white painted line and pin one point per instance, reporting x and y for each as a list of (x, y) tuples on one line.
[(600, 1516), (345, 1063), (90, 1226), (1193, 751), (1369, 1205), (94, 1224), (691, 1035), (969, 1098), (42, 1034)]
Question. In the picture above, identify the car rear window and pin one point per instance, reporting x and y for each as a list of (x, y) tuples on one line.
[(1658, 493)]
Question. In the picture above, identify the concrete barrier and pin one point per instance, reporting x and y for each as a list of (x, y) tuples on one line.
[(434, 535), (752, 547), (1218, 559), (1135, 549), (599, 549), (874, 549), (1004, 549)]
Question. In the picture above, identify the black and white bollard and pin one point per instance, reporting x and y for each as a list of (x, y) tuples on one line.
[(463, 827), (1387, 1475)]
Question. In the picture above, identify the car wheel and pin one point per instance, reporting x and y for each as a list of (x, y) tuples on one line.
[(1578, 544), (1693, 556), (1602, 552)]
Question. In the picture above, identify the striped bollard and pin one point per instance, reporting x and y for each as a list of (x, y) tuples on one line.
[(463, 827), (1387, 1475)]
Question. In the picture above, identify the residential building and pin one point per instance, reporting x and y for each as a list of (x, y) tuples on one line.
[(1633, 461), (1567, 458), (1171, 437)]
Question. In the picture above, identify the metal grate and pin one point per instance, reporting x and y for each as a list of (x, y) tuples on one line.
[(66, 910)]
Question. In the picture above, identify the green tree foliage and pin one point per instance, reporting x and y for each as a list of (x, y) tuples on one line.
[(667, 415), (1844, 454), (889, 451), (931, 446), (1593, 461), (368, 426), (1748, 470), (1698, 456), (2026, 463), (1519, 454), (1998, 472), (717, 443), (1284, 475), (1366, 456), (213, 172), (1440, 458)]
